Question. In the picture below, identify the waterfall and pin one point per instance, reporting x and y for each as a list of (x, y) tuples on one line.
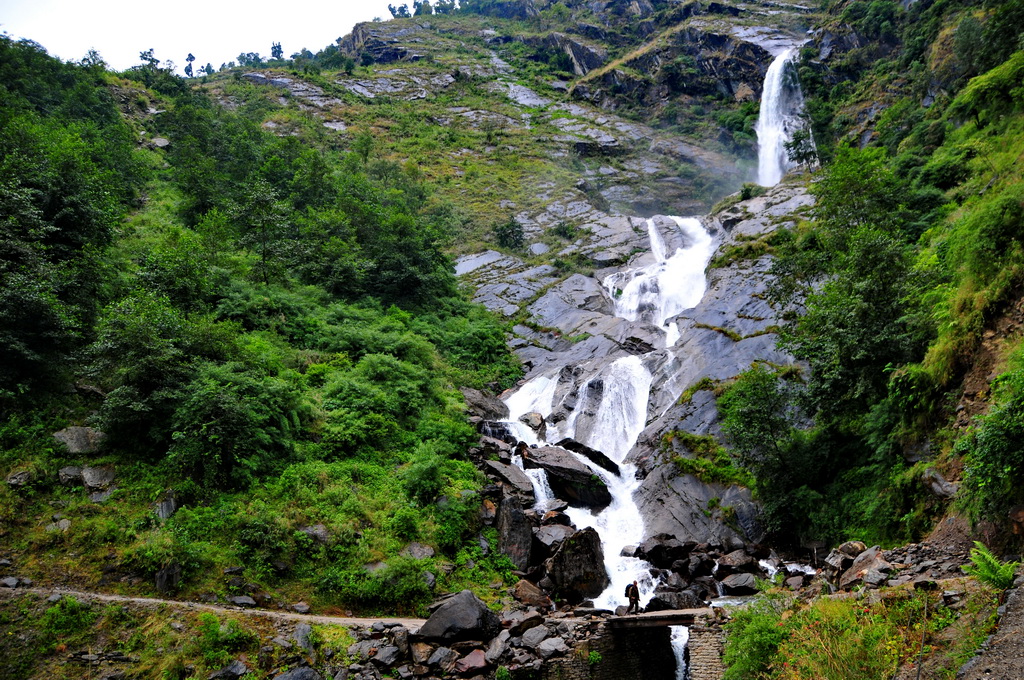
[(781, 105), (680, 638), (661, 290)]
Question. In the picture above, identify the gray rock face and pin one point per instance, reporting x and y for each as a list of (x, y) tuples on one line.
[(593, 455), (70, 475), (514, 534), (487, 406), (546, 539), (168, 578), (462, 617), (20, 478), (739, 584), (235, 669), (577, 569), (513, 476), (242, 601), (317, 532), (80, 439), (570, 479), (303, 673)]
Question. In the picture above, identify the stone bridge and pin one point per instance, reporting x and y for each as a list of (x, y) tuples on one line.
[(639, 647)]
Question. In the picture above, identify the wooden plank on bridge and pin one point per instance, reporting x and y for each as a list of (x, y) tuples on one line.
[(668, 617)]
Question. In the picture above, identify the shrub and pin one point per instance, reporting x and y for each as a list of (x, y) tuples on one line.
[(988, 569), (65, 619)]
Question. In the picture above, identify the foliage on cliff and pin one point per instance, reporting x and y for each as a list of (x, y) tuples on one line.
[(905, 284)]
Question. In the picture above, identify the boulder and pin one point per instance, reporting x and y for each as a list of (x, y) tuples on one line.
[(443, 659), (521, 622), (515, 536), (317, 532), (168, 578), (577, 568), (300, 608), (739, 584), (166, 507), (461, 617), (569, 478), (20, 478), (484, 405), (303, 673), (593, 455), (511, 475), (80, 439), (736, 562), (534, 636), (551, 647), (9, 582), (664, 550), (869, 568), (497, 647), (235, 669), (474, 662), (547, 538), (535, 422), (96, 478), (684, 599), (242, 601), (301, 636), (70, 476), (418, 551), (531, 595)]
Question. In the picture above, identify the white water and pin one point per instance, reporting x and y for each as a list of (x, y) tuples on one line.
[(680, 637), (652, 295), (781, 104), (662, 290)]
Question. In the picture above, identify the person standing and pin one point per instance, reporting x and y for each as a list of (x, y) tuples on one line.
[(633, 593)]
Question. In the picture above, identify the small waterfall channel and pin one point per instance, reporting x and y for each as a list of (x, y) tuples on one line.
[(782, 102), (652, 295)]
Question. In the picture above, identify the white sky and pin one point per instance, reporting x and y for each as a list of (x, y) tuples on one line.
[(215, 31)]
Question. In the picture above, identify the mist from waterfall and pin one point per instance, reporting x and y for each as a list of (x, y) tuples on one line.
[(782, 102)]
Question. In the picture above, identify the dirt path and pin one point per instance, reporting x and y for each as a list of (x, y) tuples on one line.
[(151, 602), (1003, 657)]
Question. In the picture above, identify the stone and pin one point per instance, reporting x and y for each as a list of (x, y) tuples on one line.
[(868, 561), (546, 539), (443, 659), (386, 655), (242, 601), (473, 662), (739, 584), (577, 568), (794, 582), (418, 551), (552, 647), (497, 647), (235, 669), (484, 405), (736, 562), (301, 637), (521, 622), (9, 582), (663, 550), (569, 478), (852, 548), (167, 507), (61, 525), (513, 476), (683, 599), (97, 479), (421, 652), (300, 608), (938, 484), (515, 536), (70, 475), (461, 617), (593, 455), (400, 639), (168, 578), (19, 479), (302, 673), (536, 635), (530, 594), (79, 440), (317, 532)]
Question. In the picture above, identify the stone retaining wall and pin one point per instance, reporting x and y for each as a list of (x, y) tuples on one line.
[(706, 644)]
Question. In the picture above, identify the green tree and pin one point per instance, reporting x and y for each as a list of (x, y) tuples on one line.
[(276, 51), (261, 221)]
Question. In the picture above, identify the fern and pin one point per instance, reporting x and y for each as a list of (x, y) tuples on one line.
[(987, 568)]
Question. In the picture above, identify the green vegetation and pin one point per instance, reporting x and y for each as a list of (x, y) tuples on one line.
[(266, 327), (708, 460), (779, 637), (987, 568)]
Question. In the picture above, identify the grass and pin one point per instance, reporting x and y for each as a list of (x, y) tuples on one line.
[(709, 461)]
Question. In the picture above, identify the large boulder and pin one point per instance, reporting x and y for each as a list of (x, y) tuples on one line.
[(739, 584), (484, 405), (665, 599), (302, 673), (515, 535), (593, 455), (546, 540), (663, 550), (97, 479), (461, 617), (80, 439), (869, 568), (577, 569), (512, 476), (569, 478)]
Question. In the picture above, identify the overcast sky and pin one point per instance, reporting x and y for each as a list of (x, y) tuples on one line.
[(215, 31)]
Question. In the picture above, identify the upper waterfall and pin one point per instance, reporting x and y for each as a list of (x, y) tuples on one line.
[(782, 102)]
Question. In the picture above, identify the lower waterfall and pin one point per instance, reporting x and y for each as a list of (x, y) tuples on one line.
[(652, 295)]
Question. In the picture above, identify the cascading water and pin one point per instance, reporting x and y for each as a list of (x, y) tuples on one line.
[(652, 295), (781, 105), (665, 288)]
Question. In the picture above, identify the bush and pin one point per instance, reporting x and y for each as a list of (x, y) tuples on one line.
[(988, 569)]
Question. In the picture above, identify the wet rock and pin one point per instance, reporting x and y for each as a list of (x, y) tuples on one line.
[(593, 455), (79, 440), (736, 562), (569, 478), (461, 617), (167, 507), (577, 569), (497, 647), (535, 635), (515, 537), (938, 485), (664, 600), (301, 637)]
